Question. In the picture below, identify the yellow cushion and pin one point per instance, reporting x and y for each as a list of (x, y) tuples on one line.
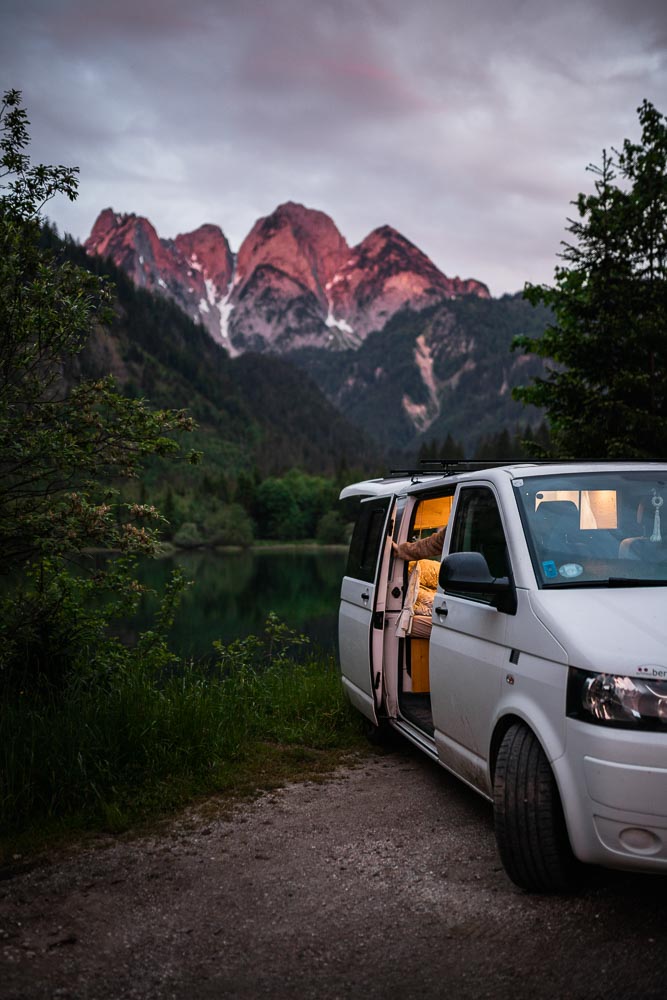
[(428, 573), (424, 602)]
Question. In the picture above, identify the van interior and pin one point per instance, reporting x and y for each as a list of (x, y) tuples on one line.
[(420, 585)]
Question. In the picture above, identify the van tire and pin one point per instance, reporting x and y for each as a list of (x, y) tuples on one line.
[(530, 826), (379, 735)]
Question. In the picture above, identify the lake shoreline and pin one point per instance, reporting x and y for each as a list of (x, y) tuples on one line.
[(168, 549), (297, 546)]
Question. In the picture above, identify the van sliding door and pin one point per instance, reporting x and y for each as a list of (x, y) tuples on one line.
[(468, 651), (363, 597)]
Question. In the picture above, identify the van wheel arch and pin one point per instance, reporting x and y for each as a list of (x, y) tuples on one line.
[(502, 726)]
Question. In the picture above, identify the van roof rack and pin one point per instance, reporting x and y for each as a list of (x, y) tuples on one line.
[(449, 467)]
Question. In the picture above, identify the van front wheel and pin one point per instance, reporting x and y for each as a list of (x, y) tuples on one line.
[(530, 827)]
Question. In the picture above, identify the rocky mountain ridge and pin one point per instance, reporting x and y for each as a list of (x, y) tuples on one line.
[(402, 351), (448, 369), (295, 283)]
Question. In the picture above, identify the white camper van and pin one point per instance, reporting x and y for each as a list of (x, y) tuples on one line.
[(531, 659)]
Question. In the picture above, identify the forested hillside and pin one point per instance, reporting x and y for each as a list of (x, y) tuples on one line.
[(448, 370)]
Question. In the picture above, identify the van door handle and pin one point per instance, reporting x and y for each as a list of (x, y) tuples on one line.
[(365, 596), (442, 610)]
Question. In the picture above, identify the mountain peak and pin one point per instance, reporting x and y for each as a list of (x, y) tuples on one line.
[(301, 242), (386, 273), (195, 269), (206, 250), (295, 281), (387, 233), (131, 241)]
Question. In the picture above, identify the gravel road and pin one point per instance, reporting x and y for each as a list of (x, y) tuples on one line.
[(381, 882)]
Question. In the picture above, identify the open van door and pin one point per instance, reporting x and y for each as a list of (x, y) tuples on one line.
[(362, 606)]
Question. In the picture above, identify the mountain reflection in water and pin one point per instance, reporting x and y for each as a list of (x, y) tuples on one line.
[(233, 593)]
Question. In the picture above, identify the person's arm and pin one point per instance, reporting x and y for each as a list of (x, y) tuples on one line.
[(425, 548)]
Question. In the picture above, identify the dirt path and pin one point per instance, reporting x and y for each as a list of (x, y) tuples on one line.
[(382, 882)]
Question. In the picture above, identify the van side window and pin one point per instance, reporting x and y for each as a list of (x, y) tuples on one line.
[(367, 537), (478, 528)]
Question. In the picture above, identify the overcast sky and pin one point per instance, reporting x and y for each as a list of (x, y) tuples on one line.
[(465, 124)]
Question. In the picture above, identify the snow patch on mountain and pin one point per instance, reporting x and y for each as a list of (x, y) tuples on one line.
[(340, 324), (225, 308)]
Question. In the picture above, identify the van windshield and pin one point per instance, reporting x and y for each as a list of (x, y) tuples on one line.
[(602, 529)]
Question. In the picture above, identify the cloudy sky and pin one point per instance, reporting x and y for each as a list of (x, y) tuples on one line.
[(465, 124)]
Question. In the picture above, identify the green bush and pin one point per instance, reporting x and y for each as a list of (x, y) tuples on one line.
[(332, 529), (228, 525), (188, 536), (154, 732), (59, 628)]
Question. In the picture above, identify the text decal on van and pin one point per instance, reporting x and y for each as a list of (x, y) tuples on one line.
[(652, 670)]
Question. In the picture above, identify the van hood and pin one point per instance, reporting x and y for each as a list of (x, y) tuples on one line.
[(612, 631)]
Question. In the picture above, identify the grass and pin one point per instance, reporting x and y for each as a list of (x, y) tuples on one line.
[(109, 756)]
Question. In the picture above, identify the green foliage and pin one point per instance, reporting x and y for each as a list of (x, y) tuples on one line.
[(29, 187), (332, 529), (291, 507), (188, 536), (57, 625), (228, 525), (277, 512), (433, 449), (65, 444), (505, 446), (606, 389), (147, 738)]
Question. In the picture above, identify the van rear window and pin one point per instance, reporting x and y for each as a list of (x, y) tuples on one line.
[(366, 540)]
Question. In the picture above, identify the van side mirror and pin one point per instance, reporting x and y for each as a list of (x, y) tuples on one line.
[(467, 574)]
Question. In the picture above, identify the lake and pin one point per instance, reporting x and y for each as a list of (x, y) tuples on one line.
[(233, 593)]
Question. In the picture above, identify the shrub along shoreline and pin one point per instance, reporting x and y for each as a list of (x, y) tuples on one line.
[(108, 755)]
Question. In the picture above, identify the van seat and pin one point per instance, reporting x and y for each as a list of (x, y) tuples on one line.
[(558, 525)]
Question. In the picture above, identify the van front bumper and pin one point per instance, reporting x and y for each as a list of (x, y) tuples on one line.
[(613, 785)]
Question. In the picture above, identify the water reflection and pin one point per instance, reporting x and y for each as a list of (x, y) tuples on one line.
[(233, 593)]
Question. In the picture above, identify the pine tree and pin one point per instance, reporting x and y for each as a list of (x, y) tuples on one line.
[(606, 391)]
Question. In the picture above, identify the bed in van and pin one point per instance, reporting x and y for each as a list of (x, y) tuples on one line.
[(534, 664)]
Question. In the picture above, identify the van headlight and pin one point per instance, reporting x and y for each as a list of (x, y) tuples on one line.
[(609, 699)]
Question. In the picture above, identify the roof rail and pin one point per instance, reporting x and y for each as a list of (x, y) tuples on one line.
[(452, 466), (449, 467)]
